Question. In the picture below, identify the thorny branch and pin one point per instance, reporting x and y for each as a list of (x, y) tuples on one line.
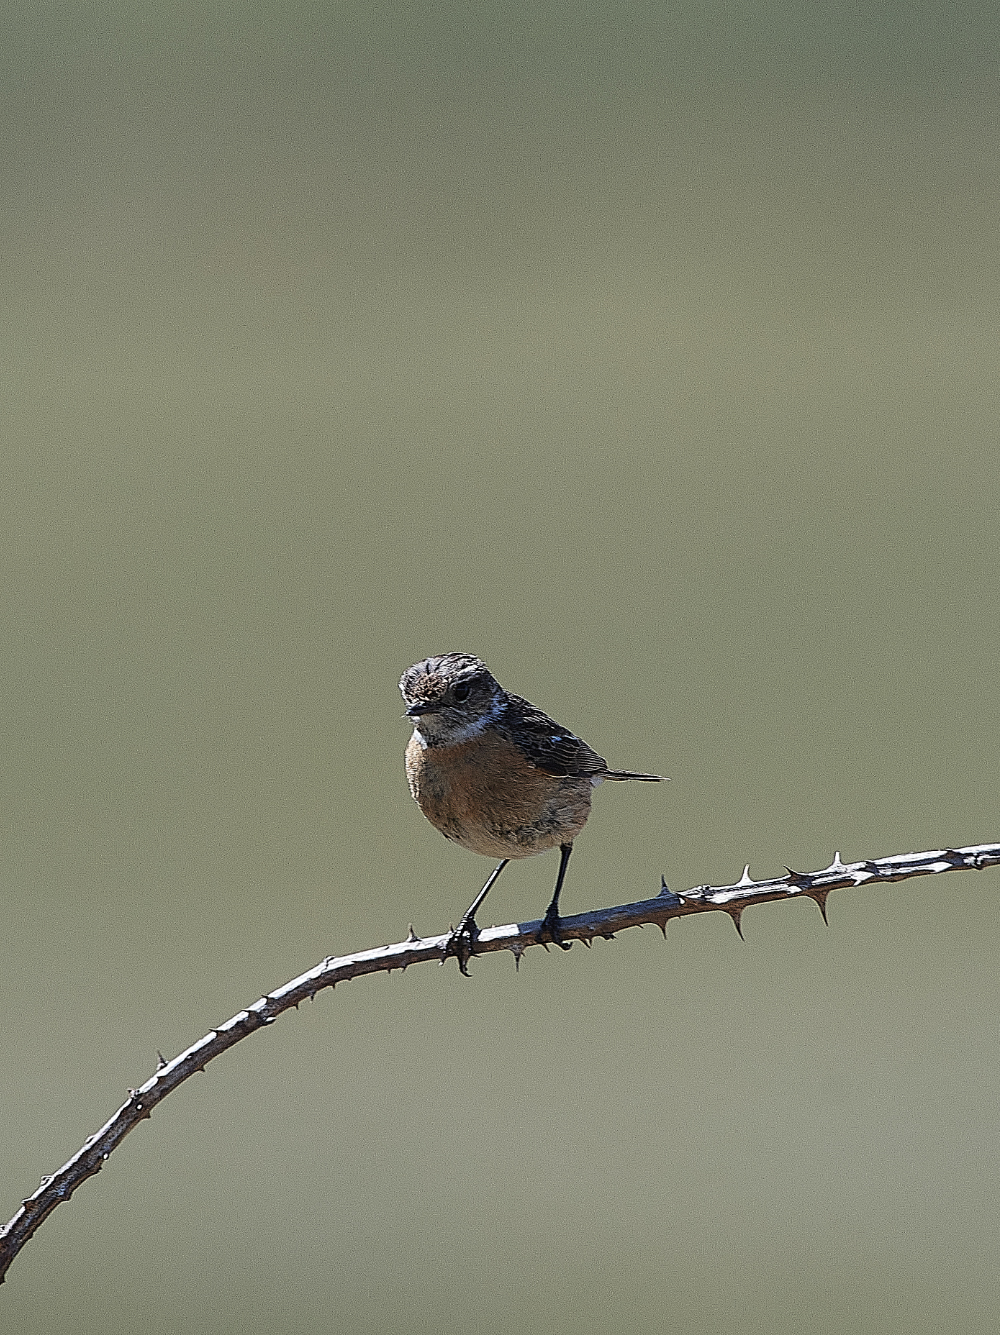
[(515, 937)]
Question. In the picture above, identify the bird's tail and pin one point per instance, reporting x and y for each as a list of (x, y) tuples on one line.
[(630, 774)]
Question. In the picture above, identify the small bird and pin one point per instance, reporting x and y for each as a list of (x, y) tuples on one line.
[(496, 775)]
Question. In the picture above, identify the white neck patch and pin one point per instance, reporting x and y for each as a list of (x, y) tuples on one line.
[(461, 732)]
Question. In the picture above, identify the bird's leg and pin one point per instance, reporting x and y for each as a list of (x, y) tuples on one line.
[(461, 940), (550, 923)]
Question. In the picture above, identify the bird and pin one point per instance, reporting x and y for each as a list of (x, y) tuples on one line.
[(496, 775)]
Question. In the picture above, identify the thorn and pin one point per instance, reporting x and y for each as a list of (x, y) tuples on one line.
[(663, 928), (736, 915), (161, 1061), (746, 879), (664, 888), (800, 880), (411, 937), (836, 867), (586, 941), (819, 898)]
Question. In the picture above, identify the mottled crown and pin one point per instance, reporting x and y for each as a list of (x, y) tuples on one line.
[(449, 690)]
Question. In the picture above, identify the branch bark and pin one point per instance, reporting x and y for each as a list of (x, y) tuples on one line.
[(515, 937)]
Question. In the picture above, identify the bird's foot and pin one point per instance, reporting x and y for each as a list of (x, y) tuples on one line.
[(551, 929), (461, 942)]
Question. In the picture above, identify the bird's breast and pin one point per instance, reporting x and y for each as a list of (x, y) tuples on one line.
[(485, 795)]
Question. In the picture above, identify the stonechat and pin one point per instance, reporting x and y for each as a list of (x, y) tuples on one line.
[(496, 775)]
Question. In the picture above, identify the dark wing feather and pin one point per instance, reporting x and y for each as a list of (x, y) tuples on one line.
[(545, 743)]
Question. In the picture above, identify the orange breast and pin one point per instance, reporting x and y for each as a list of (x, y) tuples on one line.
[(487, 797)]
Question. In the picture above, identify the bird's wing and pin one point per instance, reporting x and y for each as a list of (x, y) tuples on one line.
[(545, 743)]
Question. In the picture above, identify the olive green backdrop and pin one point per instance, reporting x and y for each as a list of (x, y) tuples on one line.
[(649, 352)]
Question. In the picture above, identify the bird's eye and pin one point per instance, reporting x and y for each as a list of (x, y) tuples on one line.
[(461, 691)]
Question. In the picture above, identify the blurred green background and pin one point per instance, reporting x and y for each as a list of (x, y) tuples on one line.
[(649, 352)]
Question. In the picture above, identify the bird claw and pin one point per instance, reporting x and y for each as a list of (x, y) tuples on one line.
[(461, 942), (551, 930)]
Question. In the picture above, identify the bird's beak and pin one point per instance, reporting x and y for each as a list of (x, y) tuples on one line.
[(415, 711)]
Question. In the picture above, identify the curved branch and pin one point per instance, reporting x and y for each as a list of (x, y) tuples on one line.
[(515, 937)]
